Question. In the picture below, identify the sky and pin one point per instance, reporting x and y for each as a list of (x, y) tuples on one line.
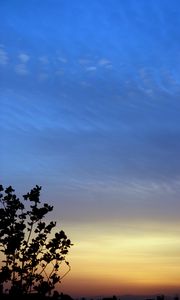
[(89, 97)]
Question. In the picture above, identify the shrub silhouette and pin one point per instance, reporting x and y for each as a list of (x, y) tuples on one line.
[(31, 256)]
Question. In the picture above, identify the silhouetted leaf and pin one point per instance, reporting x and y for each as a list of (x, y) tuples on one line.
[(26, 247)]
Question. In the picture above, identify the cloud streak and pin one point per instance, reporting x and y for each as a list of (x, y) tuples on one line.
[(24, 58), (3, 57), (21, 69)]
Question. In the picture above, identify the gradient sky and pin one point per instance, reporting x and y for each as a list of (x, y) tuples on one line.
[(90, 110)]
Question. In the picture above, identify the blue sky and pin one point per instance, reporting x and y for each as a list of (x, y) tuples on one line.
[(89, 97), (90, 104)]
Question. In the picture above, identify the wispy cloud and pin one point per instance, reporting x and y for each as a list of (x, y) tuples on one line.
[(21, 69), (84, 61), (44, 60), (92, 68), (62, 60), (24, 58), (104, 62), (43, 76), (85, 83), (59, 72), (3, 57)]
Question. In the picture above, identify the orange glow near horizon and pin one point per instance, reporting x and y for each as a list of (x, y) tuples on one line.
[(111, 261), (106, 260)]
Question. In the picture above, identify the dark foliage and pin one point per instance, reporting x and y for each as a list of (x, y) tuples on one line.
[(31, 256)]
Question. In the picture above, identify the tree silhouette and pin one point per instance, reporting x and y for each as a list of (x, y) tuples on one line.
[(32, 257)]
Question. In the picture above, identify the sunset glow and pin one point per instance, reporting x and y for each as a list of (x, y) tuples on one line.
[(140, 261)]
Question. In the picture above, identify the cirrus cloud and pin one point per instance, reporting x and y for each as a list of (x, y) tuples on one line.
[(3, 57)]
